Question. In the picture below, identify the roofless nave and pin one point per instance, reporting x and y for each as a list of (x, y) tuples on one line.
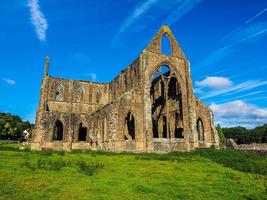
[(148, 107)]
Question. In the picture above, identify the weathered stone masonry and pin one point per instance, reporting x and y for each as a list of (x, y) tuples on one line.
[(148, 107)]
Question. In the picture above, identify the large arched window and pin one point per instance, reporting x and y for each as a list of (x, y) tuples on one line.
[(200, 130), (130, 126), (58, 131), (166, 47), (166, 108), (82, 132)]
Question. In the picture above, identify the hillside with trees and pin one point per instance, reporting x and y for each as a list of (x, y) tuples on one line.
[(12, 127), (243, 135)]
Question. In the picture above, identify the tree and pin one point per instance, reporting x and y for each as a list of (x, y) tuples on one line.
[(244, 136), (12, 127), (220, 133)]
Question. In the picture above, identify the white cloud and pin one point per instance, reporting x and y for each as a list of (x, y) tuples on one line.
[(38, 19), (215, 82), (239, 113), (9, 81)]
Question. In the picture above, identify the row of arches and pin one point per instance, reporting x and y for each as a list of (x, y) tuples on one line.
[(58, 131), (129, 129)]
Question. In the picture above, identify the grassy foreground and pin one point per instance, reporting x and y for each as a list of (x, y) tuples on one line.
[(203, 174)]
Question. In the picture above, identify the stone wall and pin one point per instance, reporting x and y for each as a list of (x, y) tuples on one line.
[(247, 147)]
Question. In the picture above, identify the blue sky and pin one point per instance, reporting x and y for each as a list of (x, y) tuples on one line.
[(224, 40)]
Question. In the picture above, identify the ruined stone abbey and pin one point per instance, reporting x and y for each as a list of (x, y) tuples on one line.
[(148, 107)]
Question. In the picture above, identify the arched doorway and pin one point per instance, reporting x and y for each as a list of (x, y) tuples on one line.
[(82, 133), (58, 131)]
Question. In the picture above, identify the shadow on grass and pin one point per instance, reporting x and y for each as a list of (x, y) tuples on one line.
[(242, 161)]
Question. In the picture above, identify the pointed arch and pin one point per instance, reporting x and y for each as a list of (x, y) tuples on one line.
[(58, 94), (58, 131), (81, 93), (174, 91), (200, 130), (166, 45)]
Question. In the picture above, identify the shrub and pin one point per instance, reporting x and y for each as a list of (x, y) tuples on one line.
[(221, 135), (89, 168)]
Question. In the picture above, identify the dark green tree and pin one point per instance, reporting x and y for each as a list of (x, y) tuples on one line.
[(220, 133)]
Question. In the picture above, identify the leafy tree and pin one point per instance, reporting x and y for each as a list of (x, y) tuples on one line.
[(220, 133), (12, 127), (246, 136)]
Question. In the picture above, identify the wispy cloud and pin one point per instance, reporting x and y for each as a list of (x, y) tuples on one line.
[(38, 19), (9, 81), (238, 112), (185, 7), (251, 94), (176, 8), (251, 33), (140, 10), (245, 86), (245, 23)]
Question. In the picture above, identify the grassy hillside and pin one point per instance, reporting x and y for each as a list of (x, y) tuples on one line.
[(205, 174)]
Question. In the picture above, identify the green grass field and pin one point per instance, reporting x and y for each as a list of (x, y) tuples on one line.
[(203, 174)]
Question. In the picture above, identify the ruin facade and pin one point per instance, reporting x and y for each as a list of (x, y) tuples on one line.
[(148, 107)]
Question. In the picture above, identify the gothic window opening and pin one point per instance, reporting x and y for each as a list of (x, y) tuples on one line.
[(82, 132), (58, 131), (130, 126), (200, 130), (98, 96), (178, 126), (47, 108), (173, 90), (164, 70), (166, 100), (90, 95), (166, 47), (59, 89), (81, 93)]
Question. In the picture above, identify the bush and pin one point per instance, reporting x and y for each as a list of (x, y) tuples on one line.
[(89, 168)]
